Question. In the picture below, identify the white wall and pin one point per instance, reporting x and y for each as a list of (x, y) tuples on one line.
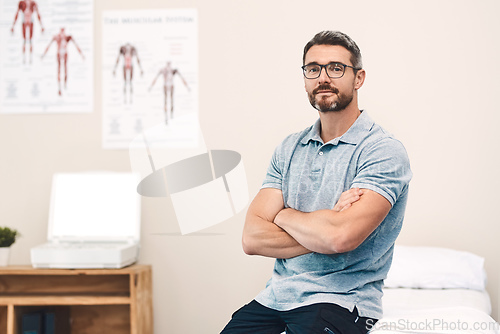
[(432, 79)]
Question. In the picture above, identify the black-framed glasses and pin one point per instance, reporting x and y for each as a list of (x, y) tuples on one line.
[(333, 70)]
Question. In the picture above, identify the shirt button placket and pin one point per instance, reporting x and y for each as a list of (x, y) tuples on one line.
[(316, 162)]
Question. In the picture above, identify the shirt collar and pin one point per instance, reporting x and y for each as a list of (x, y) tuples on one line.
[(353, 135)]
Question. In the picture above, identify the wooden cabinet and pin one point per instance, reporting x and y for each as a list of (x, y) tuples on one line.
[(111, 301)]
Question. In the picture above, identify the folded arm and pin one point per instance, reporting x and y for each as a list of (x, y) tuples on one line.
[(329, 231), (261, 234)]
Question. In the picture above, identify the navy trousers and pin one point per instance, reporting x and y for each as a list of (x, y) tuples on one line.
[(322, 318)]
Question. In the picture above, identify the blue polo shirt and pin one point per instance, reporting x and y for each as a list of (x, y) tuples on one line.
[(312, 175)]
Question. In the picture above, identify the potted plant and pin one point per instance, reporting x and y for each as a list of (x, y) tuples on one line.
[(7, 238)]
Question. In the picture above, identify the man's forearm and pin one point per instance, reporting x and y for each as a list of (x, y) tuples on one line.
[(320, 231), (265, 238), (335, 231), (315, 230), (273, 231)]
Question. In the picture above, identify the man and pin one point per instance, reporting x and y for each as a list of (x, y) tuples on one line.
[(168, 73), (330, 208), (28, 8), (128, 52), (62, 40)]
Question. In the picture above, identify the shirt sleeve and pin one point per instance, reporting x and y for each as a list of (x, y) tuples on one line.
[(384, 167), (274, 175)]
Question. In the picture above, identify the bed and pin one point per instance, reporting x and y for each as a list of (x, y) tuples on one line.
[(433, 290)]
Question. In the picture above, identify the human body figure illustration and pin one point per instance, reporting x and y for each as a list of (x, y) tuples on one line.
[(169, 73), (28, 8), (62, 41), (128, 52)]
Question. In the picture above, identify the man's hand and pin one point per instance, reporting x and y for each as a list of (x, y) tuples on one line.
[(347, 198)]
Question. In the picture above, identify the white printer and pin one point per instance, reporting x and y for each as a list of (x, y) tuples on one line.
[(94, 222)]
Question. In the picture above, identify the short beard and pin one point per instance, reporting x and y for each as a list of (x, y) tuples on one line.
[(323, 106)]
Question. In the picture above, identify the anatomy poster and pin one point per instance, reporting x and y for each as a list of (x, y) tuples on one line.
[(149, 75), (46, 56)]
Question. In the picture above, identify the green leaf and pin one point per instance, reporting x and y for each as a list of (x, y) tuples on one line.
[(7, 236)]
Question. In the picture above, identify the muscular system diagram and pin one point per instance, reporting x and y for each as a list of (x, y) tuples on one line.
[(62, 40), (128, 52), (149, 76), (168, 73), (28, 8)]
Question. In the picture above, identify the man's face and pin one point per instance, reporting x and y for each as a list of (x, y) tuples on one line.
[(327, 94)]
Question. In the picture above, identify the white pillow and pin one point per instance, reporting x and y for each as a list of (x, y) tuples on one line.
[(435, 268)]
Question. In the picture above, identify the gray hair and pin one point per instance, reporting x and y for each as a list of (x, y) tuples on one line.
[(328, 37)]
